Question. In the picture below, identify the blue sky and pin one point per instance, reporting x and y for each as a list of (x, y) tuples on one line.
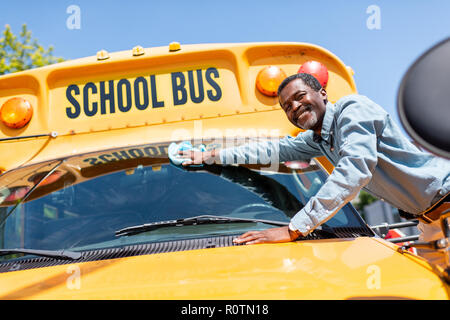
[(379, 57)]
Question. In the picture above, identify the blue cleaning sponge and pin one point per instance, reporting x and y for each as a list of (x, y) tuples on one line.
[(176, 159)]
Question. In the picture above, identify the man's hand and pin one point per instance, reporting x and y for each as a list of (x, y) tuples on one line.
[(273, 235), (198, 157)]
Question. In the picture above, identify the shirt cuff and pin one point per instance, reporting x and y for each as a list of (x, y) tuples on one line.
[(302, 222)]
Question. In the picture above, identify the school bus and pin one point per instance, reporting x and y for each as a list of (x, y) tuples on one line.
[(92, 208)]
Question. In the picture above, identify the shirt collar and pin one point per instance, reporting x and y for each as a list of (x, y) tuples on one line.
[(326, 124)]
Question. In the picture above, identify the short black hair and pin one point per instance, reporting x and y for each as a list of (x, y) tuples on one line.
[(307, 79)]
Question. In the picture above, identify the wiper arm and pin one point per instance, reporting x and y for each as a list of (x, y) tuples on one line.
[(203, 219), (56, 254), (29, 192)]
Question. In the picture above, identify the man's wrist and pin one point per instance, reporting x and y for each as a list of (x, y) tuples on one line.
[(293, 232)]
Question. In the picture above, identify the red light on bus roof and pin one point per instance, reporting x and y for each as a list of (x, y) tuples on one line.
[(16, 113), (269, 79), (316, 69)]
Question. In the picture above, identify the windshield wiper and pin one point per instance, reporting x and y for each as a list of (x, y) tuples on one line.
[(56, 254), (203, 219), (3, 221)]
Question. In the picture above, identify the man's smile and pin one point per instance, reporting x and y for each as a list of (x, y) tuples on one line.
[(303, 112)]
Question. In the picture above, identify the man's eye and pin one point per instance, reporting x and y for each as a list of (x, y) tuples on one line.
[(299, 96)]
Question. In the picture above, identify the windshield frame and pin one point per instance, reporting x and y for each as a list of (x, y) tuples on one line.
[(95, 169)]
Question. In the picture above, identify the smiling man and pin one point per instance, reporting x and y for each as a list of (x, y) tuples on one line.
[(368, 151)]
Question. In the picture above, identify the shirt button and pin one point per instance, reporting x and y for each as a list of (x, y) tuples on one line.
[(308, 227)]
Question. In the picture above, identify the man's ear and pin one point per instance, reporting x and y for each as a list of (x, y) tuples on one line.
[(324, 94)]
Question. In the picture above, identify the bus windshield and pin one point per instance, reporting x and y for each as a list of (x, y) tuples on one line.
[(88, 197)]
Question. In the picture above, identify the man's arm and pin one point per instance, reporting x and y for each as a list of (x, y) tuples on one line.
[(359, 124), (268, 151)]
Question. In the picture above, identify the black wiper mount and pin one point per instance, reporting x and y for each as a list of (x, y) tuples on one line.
[(203, 219), (56, 254)]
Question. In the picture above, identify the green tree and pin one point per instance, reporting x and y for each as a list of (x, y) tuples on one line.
[(21, 52), (364, 198)]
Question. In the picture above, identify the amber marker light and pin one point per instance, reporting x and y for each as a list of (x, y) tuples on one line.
[(16, 113), (269, 79)]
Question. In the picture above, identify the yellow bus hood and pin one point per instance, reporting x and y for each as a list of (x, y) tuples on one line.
[(320, 269)]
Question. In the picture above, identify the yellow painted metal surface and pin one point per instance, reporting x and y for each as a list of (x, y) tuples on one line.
[(90, 102), (322, 269)]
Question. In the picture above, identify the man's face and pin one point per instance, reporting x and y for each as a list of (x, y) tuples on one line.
[(304, 107)]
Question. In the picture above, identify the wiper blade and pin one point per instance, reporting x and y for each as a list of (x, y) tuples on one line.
[(203, 219), (56, 254)]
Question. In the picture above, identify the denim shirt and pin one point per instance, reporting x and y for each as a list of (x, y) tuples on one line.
[(368, 151)]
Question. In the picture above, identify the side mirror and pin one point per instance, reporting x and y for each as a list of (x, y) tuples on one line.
[(423, 100)]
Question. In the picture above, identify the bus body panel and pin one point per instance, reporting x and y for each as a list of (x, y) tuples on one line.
[(361, 268), (213, 84)]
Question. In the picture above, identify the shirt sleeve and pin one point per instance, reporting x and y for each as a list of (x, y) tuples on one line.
[(357, 127), (272, 151)]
